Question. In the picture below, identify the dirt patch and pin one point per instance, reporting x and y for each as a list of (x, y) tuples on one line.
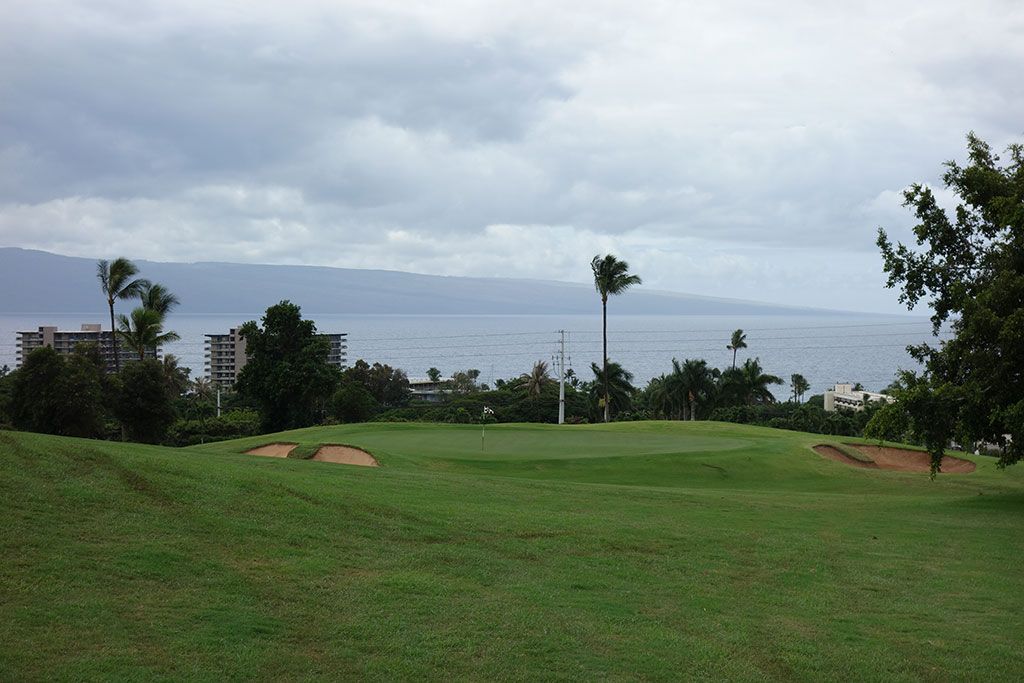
[(904, 460), (833, 453), (345, 455), (273, 450)]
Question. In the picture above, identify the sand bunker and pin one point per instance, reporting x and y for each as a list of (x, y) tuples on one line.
[(897, 459), (905, 460), (273, 450), (833, 453), (346, 455)]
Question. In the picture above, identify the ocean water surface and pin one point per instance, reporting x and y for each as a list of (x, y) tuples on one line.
[(825, 349)]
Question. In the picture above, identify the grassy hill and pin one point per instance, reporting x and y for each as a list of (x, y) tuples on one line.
[(640, 550)]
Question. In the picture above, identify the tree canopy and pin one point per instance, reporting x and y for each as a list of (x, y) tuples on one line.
[(969, 269), (287, 374)]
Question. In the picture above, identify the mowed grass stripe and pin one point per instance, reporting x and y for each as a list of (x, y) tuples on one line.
[(133, 561)]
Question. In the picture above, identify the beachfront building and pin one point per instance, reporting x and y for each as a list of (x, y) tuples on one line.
[(843, 396), (426, 389), (65, 341), (226, 355)]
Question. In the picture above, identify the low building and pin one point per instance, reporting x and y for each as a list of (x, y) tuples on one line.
[(426, 389), (65, 341), (844, 396), (226, 355)]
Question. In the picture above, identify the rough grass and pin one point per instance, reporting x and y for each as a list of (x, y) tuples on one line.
[(651, 550)]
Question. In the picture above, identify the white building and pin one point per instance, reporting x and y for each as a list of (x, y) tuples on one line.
[(426, 389), (226, 355), (842, 395)]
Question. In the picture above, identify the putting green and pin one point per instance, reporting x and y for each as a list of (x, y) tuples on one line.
[(502, 442)]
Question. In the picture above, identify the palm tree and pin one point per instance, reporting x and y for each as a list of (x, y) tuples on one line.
[(739, 341), (800, 385), (143, 331), (616, 384), (116, 282), (535, 380), (611, 276), (202, 387), (699, 383), (659, 398), (157, 298), (755, 382), (175, 375)]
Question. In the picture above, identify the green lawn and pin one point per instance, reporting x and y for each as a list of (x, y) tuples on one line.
[(639, 550)]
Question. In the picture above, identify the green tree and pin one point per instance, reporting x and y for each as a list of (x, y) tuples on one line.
[(353, 403), (464, 381), (969, 269), (890, 422), (156, 297), (287, 374), (535, 380), (611, 277), (144, 331), (175, 375), (434, 375), (389, 386), (6, 387), (739, 341), (696, 385), (616, 384), (748, 384), (145, 406), (799, 385), (54, 395), (118, 281)]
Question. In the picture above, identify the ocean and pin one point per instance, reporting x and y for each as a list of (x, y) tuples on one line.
[(824, 349)]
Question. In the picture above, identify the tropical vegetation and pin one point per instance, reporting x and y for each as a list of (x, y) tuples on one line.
[(611, 277), (969, 271)]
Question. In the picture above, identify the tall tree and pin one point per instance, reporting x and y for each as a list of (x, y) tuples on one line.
[(158, 298), (799, 385), (535, 380), (176, 375), (739, 341), (969, 269), (118, 281), (611, 277), (615, 383), (145, 406), (287, 373), (144, 331), (698, 383), (57, 395), (748, 384), (756, 382)]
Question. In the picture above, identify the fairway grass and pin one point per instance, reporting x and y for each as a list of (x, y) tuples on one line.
[(638, 550)]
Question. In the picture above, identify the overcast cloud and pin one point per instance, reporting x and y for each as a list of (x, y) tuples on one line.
[(732, 149)]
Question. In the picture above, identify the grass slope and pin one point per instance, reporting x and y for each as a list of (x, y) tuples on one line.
[(651, 550)]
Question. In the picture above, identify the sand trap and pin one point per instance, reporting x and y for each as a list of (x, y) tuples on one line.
[(833, 453), (345, 455), (273, 450), (897, 459), (904, 460)]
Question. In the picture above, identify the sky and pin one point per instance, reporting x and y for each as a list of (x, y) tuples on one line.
[(734, 149)]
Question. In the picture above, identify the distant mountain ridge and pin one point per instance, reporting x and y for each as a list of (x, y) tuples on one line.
[(34, 281)]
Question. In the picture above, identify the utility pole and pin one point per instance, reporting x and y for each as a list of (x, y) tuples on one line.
[(218, 401), (561, 377)]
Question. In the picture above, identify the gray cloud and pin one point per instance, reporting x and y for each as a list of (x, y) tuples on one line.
[(728, 149)]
